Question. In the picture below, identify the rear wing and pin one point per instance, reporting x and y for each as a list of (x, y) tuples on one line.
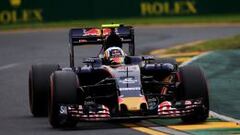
[(84, 36), (97, 36)]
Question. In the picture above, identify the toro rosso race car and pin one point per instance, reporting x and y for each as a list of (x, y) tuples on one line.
[(116, 85)]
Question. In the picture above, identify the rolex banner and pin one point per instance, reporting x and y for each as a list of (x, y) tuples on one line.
[(27, 11)]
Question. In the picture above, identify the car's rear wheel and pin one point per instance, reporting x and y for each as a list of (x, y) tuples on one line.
[(64, 86), (39, 80), (193, 86)]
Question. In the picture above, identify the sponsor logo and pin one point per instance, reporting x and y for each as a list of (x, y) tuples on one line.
[(17, 13), (128, 80), (83, 41), (152, 103), (106, 31), (130, 89), (92, 32), (168, 8), (63, 110), (148, 57), (87, 103), (15, 3), (128, 68)]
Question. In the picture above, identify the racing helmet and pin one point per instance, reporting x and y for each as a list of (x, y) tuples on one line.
[(114, 55)]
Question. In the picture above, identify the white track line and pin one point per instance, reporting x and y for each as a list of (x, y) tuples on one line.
[(212, 113), (8, 66), (223, 117)]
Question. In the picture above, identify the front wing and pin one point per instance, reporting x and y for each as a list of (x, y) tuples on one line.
[(166, 109)]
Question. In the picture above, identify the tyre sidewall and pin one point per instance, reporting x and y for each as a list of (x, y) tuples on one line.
[(39, 78), (194, 86), (64, 86)]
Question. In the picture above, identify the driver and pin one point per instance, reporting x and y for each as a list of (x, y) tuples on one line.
[(114, 56)]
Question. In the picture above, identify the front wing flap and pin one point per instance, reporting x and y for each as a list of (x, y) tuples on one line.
[(166, 109)]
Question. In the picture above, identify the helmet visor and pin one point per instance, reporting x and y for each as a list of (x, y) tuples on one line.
[(117, 60)]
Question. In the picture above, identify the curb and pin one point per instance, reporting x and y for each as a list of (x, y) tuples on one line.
[(180, 57)]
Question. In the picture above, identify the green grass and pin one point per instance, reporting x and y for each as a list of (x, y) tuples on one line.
[(218, 44), (234, 18), (217, 131)]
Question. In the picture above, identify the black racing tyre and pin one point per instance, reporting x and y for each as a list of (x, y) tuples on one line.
[(39, 80), (64, 86), (193, 86), (165, 60)]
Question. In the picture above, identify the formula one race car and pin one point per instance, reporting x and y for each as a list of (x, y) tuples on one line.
[(116, 85)]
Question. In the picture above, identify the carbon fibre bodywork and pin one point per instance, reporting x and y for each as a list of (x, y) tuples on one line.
[(138, 91)]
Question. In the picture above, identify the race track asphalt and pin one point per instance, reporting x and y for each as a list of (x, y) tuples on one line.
[(18, 50)]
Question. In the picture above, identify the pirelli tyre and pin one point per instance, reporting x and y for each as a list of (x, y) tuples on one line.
[(193, 86), (39, 80), (63, 92)]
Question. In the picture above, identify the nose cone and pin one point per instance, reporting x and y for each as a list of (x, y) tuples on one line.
[(132, 103)]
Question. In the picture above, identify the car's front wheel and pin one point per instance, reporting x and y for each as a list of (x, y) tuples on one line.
[(63, 92), (193, 86)]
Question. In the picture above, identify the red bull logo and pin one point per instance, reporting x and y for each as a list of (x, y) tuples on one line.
[(92, 32), (106, 31), (97, 32)]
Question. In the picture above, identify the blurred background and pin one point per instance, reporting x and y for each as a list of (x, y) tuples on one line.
[(76, 12)]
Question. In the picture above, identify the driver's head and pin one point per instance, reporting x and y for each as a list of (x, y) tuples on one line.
[(114, 55)]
